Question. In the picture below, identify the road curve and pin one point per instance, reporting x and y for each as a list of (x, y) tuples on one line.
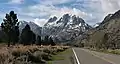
[(87, 58)]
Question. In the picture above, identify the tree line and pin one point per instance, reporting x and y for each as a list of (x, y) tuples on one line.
[(10, 27)]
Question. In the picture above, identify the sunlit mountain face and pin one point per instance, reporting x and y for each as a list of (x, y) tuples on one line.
[(34, 27), (69, 26)]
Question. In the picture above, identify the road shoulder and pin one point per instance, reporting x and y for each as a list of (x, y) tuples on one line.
[(111, 58)]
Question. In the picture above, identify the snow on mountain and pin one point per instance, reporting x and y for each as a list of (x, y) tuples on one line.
[(34, 27), (96, 25), (68, 27)]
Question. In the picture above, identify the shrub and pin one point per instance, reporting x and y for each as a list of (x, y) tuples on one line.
[(28, 54), (60, 49), (46, 56), (47, 51), (35, 57), (3, 59), (19, 51), (117, 51)]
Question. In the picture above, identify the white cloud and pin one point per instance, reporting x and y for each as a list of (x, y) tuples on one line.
[(99, 9), (16, 1), (40, 22), (53, 2), (105, 6), (110, 6), (2, 15), (45, 10), (36, 12), (65, 10), (95, 10)]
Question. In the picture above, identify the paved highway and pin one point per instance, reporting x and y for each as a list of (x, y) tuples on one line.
[(84, 57)]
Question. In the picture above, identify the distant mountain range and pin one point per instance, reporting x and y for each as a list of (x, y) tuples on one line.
[(107, 34), (66, 28), (34, 27), (69, 28), (63, 29)]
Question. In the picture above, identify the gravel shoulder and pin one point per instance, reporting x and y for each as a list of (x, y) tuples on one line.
[(88, 58), (112, 58)]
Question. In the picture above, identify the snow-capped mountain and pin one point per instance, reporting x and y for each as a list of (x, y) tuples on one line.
[(68, 27), (96, 25), (34, 27)]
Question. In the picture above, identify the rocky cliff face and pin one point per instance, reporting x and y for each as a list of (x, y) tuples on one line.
[(34, 27), (107, 34), (66, 28)]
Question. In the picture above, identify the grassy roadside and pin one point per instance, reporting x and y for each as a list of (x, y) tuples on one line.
[(30, 54), (110, 51), (62, 57), (116, 51)]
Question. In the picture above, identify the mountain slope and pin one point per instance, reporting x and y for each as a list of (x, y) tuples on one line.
[(107, 34), (67, 28), (34, 27)]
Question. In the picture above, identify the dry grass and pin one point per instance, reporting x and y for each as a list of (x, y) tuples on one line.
[(8, 55), (116, 51)]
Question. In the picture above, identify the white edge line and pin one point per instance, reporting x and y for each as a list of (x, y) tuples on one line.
[(103, 58), (76, 56)]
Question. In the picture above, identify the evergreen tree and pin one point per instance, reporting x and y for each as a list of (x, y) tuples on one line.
[(38, 41), (51, 42), (15, 35), (27, 36), (33, 37), (8, 26), (46, 40)]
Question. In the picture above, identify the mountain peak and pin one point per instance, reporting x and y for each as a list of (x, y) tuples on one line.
[(66, 15), (52, 19), (116, 15), (107, 18), (34, 27), (69, 26), (64, 20)]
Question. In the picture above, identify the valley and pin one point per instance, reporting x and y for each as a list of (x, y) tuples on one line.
[(60, 32)]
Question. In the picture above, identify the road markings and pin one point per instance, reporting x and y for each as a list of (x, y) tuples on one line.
[(103, 58), (76, 56), (98, 56)]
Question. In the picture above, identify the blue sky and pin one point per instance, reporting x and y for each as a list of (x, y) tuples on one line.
[(39, 11)]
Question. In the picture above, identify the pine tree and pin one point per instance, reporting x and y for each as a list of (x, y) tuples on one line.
[(38, 41), (33, 37), (51, 42), (15, 35), (9, 25), (46, 40), (27, 36)]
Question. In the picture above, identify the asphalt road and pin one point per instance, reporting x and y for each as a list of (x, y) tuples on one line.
[(87, 58)]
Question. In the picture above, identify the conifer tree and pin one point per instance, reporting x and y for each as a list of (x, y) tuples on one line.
[(38, 41), (27, 36), (51, 42), (10, 25)]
